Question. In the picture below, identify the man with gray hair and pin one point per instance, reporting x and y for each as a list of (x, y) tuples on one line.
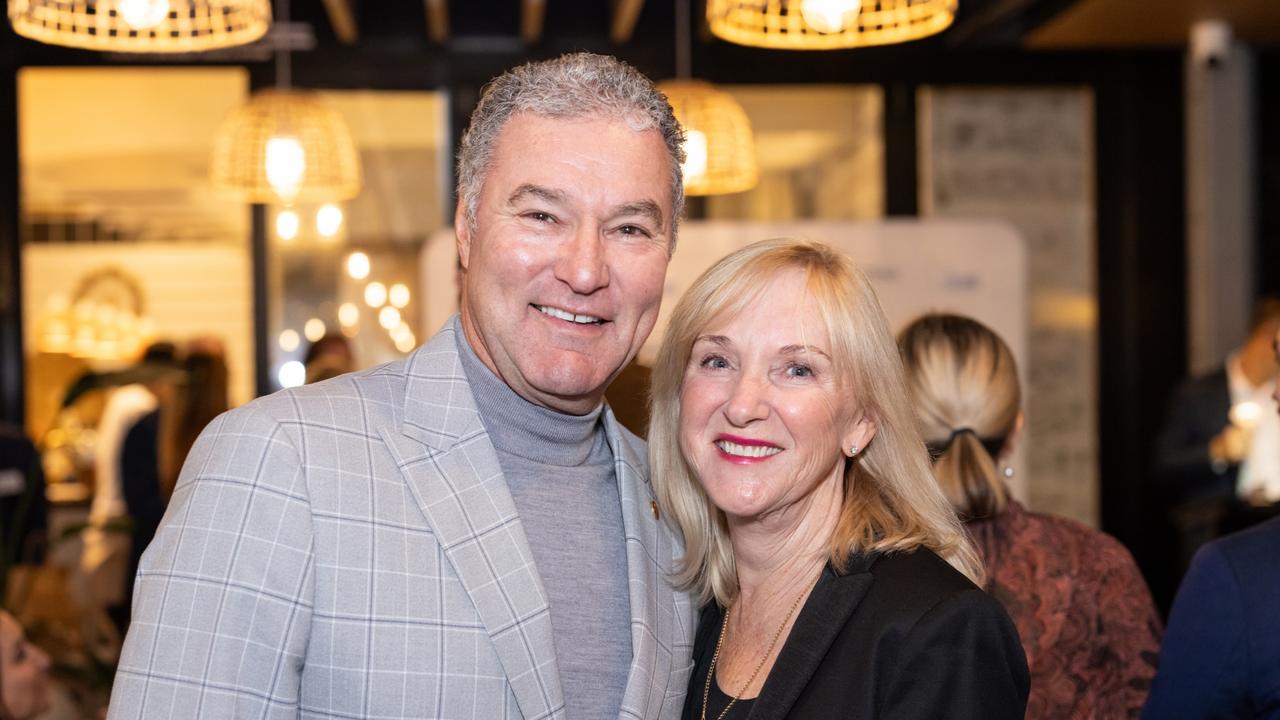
[(469, 532)]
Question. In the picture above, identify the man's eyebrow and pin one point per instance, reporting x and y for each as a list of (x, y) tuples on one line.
[(646, 208), (538, 191), (801, 349)]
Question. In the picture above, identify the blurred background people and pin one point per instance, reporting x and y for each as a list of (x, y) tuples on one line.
[(24, 673), (1083, 611), (1217, 459), (1221, 654), (835, 577), (328, 357)]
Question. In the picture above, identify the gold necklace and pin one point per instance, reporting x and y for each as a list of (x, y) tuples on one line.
[(711, 672)]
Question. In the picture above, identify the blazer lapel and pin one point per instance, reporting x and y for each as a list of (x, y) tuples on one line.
[(452, 470), (824, 615), (650, 551)]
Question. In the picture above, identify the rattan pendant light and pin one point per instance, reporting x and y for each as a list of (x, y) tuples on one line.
[(142, 26), (720, 150), (286, 146), (827, 24)]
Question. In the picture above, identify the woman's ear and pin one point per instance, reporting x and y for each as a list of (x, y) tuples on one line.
[(1013, 438), (859, 435)]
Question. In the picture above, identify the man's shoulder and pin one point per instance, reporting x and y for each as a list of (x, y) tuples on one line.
[(1250, 554)]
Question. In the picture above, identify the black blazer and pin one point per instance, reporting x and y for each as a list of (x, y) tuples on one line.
[(897, 636)]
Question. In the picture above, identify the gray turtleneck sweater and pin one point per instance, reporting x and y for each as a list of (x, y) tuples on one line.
[(561, 474)]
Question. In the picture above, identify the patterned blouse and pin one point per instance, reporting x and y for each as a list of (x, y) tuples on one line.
[(1087, 622)]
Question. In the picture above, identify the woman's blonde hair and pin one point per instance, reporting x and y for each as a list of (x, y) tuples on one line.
[(890, 499), (965, 384)]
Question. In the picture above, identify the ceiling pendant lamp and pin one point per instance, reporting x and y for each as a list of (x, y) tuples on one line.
[(719, 146), (827, 24), (286, 146), (142, 26)]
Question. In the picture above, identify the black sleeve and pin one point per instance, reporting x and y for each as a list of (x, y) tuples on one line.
[(962, 659)]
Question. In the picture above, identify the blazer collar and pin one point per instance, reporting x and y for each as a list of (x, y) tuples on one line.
[(453, 473), (650, 550), (828, 609)]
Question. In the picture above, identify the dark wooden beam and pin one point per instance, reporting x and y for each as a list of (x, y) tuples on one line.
[(625, 15), (437, 20), (533, 15), (342, 17)]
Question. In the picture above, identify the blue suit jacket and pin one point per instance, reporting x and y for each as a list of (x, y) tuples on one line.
[(1221, 654)]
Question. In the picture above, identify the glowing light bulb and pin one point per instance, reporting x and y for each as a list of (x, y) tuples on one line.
[(829, 16), (287, 225), (375, 294), (289, 340), (143, 14), (695, 154), (286, 164), (348, 314), (1245, 415), (314, 329), (405, 342), (292, 374), (389, 317), (328, 220), (358, 265), (399, 295)]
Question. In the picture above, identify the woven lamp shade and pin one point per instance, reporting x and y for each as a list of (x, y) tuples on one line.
[(142, 26), (330, 168), (827, 24), (719, 146)]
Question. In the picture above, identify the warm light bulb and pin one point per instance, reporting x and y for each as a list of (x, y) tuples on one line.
[(348, 314), (695, 154), (829, 16), (292, 374), (358, 265), (375, 294), (314, 329), (286, 163), (399, 295), (143, 14), (328, 220), (289, 340), (389, 317), (1245, 415), (405, 342), (287, 225)]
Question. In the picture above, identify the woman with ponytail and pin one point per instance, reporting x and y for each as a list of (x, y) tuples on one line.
[(1083, 611)]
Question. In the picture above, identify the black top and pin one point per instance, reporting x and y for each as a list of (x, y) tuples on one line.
[(901, 635)]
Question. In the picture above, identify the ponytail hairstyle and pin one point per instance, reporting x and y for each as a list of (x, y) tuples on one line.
[(965, 385)]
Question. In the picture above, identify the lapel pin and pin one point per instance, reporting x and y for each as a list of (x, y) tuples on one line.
[(654, 506)]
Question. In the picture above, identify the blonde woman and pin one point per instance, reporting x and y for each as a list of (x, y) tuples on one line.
[(1084, 614), (835, 577)]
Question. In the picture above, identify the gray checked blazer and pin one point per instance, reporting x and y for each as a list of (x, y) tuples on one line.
[(351, 550)]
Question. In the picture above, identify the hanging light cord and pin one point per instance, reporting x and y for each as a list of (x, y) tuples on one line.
[(684, 49), (283, 67)]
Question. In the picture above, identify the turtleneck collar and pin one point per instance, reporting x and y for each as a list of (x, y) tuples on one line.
[(521, 428)]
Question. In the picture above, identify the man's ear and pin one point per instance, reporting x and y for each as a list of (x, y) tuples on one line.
[(462, 230)]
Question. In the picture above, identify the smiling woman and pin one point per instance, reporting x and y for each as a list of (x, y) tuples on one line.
[(784, 448)]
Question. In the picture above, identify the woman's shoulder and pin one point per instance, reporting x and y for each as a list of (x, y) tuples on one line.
[(909, 584)]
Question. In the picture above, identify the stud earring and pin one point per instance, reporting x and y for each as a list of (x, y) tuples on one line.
[(853, 450), (1008, 471)]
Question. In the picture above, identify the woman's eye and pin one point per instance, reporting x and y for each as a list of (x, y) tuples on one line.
[(799, 371), (714, 362)]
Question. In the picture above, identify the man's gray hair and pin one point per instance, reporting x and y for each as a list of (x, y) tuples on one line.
[(570, 86)]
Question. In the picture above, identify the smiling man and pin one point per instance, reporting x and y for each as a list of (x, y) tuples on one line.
[(467, 533)]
